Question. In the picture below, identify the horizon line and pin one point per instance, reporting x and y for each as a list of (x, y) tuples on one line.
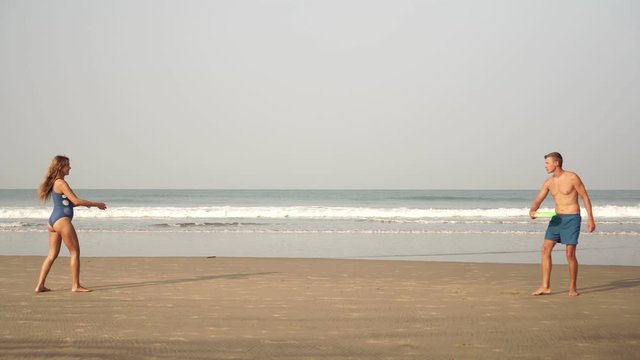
[(313, 189)]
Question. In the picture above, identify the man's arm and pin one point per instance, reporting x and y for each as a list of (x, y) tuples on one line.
[(582, 191), (539, 199)]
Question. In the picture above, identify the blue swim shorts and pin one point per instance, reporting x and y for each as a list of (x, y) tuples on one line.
[(564, 228)]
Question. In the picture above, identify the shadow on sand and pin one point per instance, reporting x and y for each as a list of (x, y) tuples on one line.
[(446, 254), (614, 285), (178, 281)]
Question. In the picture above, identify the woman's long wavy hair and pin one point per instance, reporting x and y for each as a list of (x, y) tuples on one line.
[(54, 173)]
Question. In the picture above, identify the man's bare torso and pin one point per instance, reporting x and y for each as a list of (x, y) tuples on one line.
[(565, 195)]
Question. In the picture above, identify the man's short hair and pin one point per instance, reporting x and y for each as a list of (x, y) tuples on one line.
[(556, 156)]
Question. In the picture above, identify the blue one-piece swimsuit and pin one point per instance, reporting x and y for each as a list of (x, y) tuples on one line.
[(62, 207)]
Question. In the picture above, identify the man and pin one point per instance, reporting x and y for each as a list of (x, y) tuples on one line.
[(564, 227)]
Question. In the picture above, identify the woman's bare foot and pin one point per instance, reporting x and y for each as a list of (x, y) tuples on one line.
[(40, 289), (573, 293), (541, 291), (80, 289)]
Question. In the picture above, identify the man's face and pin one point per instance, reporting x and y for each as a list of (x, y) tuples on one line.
[(550, 165)]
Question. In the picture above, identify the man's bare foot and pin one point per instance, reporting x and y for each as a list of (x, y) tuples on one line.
[(573, 293), (541, 291), (40, 289), (80, 289)]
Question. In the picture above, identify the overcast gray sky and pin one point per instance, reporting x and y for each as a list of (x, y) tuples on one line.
[(320, 94)]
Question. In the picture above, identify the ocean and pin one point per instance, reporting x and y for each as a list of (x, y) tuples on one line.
[(390, 224)]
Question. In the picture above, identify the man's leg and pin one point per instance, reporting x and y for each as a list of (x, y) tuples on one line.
[(572, 260), (545, 288)]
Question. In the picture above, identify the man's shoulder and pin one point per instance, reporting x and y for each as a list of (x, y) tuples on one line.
[(572, 177), (571, 174)]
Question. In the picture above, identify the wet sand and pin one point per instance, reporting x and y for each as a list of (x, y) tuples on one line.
[(269, 308)]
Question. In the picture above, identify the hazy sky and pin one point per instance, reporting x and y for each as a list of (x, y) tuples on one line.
[(320, 94)]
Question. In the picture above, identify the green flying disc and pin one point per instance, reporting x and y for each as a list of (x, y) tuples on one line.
[(543, 214)]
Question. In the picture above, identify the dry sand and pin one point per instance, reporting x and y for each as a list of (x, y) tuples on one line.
[(249, 308)]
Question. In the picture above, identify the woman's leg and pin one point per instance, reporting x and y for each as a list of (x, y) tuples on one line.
[(65, 228), (54, 249)]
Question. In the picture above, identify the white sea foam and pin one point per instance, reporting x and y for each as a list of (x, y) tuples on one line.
[(14, 224), (304, 212), (198, 229)]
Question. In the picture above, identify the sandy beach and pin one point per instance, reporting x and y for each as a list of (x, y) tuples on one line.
[(259, 308)]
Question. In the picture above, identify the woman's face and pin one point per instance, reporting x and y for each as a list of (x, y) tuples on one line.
[(66, 169)]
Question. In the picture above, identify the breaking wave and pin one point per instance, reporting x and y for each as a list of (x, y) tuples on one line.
[(305, 212)]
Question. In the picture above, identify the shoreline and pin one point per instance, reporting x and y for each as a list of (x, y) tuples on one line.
[(593, 250), (269, 308)]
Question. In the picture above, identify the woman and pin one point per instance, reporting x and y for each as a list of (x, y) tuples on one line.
[(60, 226)]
